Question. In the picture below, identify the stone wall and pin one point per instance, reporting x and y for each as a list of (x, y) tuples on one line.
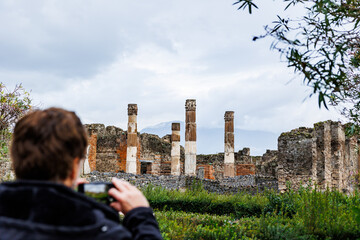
[(250, 183), (267, 165), (321, 155), (295, 158), (244, 164), (108, 148), (107, 153)]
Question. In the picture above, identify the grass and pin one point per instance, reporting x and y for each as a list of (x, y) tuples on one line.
[(304, 214), (200, 201)]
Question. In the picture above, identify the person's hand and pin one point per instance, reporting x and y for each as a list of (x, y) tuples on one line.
[(127, 196), (74, 184), (81, 181)]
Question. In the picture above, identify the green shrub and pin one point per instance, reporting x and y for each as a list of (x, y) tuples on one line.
[(305, 214), (5, 137), (182, 225), (199, 201), (284, 204), (329, 214)]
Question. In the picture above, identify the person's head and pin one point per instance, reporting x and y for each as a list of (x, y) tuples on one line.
[(47, 144)]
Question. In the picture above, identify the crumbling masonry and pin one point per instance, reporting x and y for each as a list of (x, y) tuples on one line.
[(229, 159), (132, 140), (175, 149), (322, 155), (190, 137)]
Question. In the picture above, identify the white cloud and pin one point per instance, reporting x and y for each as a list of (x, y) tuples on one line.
[(95, 57)]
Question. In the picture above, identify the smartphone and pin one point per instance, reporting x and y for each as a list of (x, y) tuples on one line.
[(98, 191)]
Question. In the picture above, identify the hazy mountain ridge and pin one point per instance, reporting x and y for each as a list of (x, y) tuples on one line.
[(211, 140)]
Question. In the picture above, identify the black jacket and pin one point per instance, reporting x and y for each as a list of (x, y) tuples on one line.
[(44, 210)]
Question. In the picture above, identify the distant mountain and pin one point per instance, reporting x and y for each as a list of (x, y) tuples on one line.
[(211, 140)]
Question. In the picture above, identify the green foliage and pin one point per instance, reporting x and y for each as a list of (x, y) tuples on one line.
[(199, 201), (323, 47), (4, 145), (329, 213), (281, 204), (181, 225), (305, 214), (13, 105)]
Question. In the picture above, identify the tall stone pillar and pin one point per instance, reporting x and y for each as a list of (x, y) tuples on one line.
[(190, 137), (175, 149), (86, 166), (337, 154), (323, 151), (229, 159), (132, 139), (351, 164)]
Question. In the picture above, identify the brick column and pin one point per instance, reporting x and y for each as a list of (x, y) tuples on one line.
[(229, 159), (190, 137), (132, 139), (175, 149)]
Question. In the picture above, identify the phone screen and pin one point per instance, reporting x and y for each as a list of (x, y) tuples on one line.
[(98, 191)]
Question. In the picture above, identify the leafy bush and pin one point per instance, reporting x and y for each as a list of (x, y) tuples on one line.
[(13, 105), (181, 225), (200, 201), (305, 214), (329, 214), (285, 204)]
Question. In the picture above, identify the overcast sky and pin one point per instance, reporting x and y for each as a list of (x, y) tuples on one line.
[(96, 56)]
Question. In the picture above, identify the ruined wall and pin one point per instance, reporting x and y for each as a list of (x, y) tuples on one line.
[(295, 157), (351, 162), (322, 154), (157, 153), (244, 164), (267, 165), (208, 171), (245, 169), (250, 183), (108, 149)]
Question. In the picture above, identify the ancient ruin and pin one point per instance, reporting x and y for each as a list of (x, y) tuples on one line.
[(321, 156), (132, 139), (175, 149), (190, 137), (229, 159)]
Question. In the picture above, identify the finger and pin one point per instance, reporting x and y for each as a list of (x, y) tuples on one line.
[(119, 184), (81, 181), (127, 184), (116, 206), (120, 197)]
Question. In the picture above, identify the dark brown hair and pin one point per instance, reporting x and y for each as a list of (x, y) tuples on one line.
[(45, 144)]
